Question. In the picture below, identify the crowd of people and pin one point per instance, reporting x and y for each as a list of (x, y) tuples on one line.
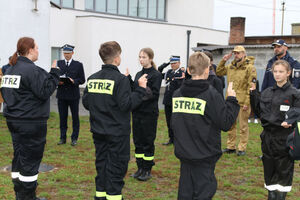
[(195, 110)]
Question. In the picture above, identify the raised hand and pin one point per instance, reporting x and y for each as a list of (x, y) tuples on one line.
[(227, 56), (143, 81)]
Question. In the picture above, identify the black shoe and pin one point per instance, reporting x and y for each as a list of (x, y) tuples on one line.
[(74, 143), (168, 143), (228, 150), (145, 176), (241, 153), (272, 195), (137, 173), (61, 142)]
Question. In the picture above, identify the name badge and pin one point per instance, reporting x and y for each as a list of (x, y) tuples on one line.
[(284, 108), (11, 81)]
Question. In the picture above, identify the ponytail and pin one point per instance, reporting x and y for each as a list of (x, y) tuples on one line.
[(153, 64), (13, 59)]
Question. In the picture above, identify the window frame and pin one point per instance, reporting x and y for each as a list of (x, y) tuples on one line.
[(61, 4)]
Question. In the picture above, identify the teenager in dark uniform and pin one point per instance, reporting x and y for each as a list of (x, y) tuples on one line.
[(271, 107), (109, 99), (26, 89), (68, 93), (173, 79), (199, 115), (144, 117)]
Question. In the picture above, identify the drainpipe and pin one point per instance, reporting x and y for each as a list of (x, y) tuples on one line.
[(188, 33)]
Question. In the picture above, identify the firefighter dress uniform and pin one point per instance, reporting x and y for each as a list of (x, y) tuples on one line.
[(144, 123), (199, 115), (26, 89), (271, 108), (109, 99)]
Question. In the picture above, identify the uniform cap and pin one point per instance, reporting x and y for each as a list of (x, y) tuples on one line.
[(67, 48), (174, 59), (279, 43), (239, 49)]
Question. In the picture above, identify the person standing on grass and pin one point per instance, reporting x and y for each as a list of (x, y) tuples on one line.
[(199, 115), (144, 117), (241, 72), (271, 107), (26, 90), (109, 99)]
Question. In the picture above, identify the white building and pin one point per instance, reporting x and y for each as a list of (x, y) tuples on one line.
[(135, 24)]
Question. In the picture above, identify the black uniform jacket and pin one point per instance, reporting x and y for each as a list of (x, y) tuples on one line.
[(149, 106), (199, 115), (273, 103), (74, 71), (26, 90), (173, 81), (109, 99)]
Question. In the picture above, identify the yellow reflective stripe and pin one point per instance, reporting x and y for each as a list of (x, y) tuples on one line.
[(139, 155), (103, 86), (188, 105), (100, 194), (149, 158), (113, 197), (298, 124)]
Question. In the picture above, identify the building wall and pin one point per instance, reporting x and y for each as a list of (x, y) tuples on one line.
[(87, 30), (19, 20)]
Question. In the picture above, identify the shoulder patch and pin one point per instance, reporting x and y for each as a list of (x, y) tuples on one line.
[(101, 86), (10, 81)]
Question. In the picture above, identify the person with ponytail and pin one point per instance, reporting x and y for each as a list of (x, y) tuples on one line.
[(26, 90), (144, 117)]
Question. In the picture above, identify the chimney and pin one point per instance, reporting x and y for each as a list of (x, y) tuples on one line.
[(296, 29), (237, 30)]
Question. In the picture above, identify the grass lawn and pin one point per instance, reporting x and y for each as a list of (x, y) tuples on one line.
[(239, 178)]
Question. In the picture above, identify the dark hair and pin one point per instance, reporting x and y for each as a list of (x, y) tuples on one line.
[(150, 54), (210, 55), (109, 50), (23, 46)]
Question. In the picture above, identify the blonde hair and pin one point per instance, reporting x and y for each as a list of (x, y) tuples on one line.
[(283, 63), (198, 62), (150, 54)]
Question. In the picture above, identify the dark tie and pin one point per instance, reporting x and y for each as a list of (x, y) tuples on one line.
[(67, 63)]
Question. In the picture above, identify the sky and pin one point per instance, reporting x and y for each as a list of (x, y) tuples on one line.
[(259, 15)]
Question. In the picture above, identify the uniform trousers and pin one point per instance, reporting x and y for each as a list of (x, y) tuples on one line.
[(168, 113), (197, 180), (278, 165), (29, 139), (63, 105), (244, 131), (112, 157), (144, 134)]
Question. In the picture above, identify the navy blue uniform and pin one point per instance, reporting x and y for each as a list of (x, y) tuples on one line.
[(269, 80), (26, 90), (68, 95)]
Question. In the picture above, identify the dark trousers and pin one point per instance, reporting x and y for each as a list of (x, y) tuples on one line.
[(63, 117), (278, 166), (29, 139), (112, 157), (144, 134), (197, 180), (168, 113)]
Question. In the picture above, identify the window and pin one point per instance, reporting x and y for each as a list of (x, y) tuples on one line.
[(55, 53), (112, 6), (64, 3), (151, 9)]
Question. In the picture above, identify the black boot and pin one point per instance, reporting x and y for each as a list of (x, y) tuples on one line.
[(145, 176), (17, 187), (272, 195), (281, 195), (137, 173)]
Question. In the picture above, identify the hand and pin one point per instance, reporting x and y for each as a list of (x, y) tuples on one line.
[(54, 64), (60, 83), (227, 56), (286, 125), (143, 81), (71, 80), (245, 107), (127, 72), (230, 91), (253, 86)]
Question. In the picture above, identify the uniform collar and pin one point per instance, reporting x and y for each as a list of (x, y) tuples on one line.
[(147, 70), (109, 66), (69, 61), (286, 85), (24, 59)]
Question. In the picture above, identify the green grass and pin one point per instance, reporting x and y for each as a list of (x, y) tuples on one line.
[(239, 178)]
